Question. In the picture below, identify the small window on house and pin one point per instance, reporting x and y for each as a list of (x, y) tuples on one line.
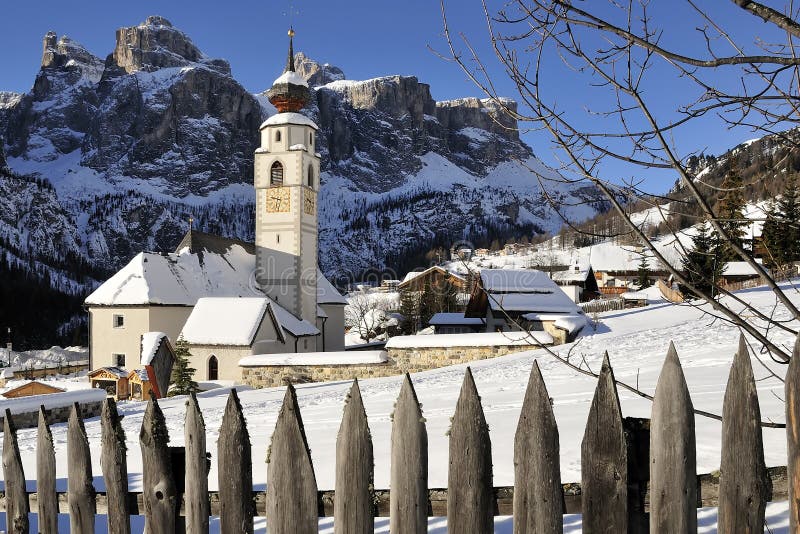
[(277, 136), (119, 321), (119, 360), (277, 238), (276, 174), (213, 368), (310, 176)]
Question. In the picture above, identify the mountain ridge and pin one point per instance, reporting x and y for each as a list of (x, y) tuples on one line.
[(134, 145)]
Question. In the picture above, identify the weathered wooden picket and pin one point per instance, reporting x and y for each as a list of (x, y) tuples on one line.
[(292, 504)]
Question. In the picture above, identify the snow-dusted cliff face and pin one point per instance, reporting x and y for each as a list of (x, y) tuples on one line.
[(130, 147)]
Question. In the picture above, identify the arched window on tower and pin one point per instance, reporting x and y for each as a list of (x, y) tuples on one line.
[(276, 174), (311, 139), (277, 136), (310, 175), (213, 368)]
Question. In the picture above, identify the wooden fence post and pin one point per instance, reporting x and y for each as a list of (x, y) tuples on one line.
[(46, 477), (470, 496), (198, 507), (80, 491), (408, 500), (793, 436), (673, 467), (743, 481), (604, 461), (159, 493), (353, 505), (17, 507), (538, 506), (114, 461), (291, 486), (236, 507)]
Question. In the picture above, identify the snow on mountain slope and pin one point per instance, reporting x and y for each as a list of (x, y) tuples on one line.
[(160, 132)]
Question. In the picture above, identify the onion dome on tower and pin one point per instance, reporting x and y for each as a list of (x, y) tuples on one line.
[(289, 93)]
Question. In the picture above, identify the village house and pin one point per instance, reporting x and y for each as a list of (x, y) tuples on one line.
[(524, 299), (579, 283), (434, 277), (161, 291), (456, 323)]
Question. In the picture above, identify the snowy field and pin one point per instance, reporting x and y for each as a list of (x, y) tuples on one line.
[(636, 340)]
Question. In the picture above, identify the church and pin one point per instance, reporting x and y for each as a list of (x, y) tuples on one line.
[(227, 298)]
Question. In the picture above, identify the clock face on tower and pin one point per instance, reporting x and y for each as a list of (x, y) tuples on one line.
[(278, 199), (309, 201)]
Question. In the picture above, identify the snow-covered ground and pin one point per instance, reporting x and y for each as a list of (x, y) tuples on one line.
[(777, 517), (636, 340)]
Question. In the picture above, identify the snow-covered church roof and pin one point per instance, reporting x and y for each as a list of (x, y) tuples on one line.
[(225, 321), (203, 266)]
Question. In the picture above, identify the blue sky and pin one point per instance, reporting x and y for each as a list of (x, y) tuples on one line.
[(364, 38)]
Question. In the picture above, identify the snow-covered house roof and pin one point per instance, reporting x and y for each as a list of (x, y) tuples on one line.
[(739, 268), (225, 321), (519, 290), (575, 274), (435, 268)]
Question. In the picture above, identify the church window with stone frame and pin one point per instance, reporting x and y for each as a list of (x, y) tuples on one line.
[(213, 368), (311, 139), (276, 174), (310, 175), (277, 136)]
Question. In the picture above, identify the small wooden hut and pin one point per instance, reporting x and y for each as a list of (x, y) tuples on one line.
[(113, 379), (140, 384), (30, 389)]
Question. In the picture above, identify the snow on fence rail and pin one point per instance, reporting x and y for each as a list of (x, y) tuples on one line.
[(612, 494)]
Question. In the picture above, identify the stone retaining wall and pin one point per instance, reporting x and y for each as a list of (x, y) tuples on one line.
[(280, 375), (59, 414), (401, 360), (415, 359)]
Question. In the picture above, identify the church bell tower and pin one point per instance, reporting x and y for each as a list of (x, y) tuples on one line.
[(287, 185)]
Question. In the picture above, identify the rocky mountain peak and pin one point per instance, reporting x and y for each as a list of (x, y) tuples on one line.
[(66, 53), (316, 73), (156, 44)]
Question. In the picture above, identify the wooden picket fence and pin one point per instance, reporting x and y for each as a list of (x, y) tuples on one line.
[(292, 504)]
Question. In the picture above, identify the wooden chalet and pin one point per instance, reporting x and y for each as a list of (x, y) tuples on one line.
[(434, 277), (30, 389), (112, 379), (514, 299)]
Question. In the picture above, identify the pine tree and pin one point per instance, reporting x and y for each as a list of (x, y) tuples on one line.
[(428, 304), (704, 264), (731, 214), (644, 274), (182, 377), (409, 309), (781, 233)]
